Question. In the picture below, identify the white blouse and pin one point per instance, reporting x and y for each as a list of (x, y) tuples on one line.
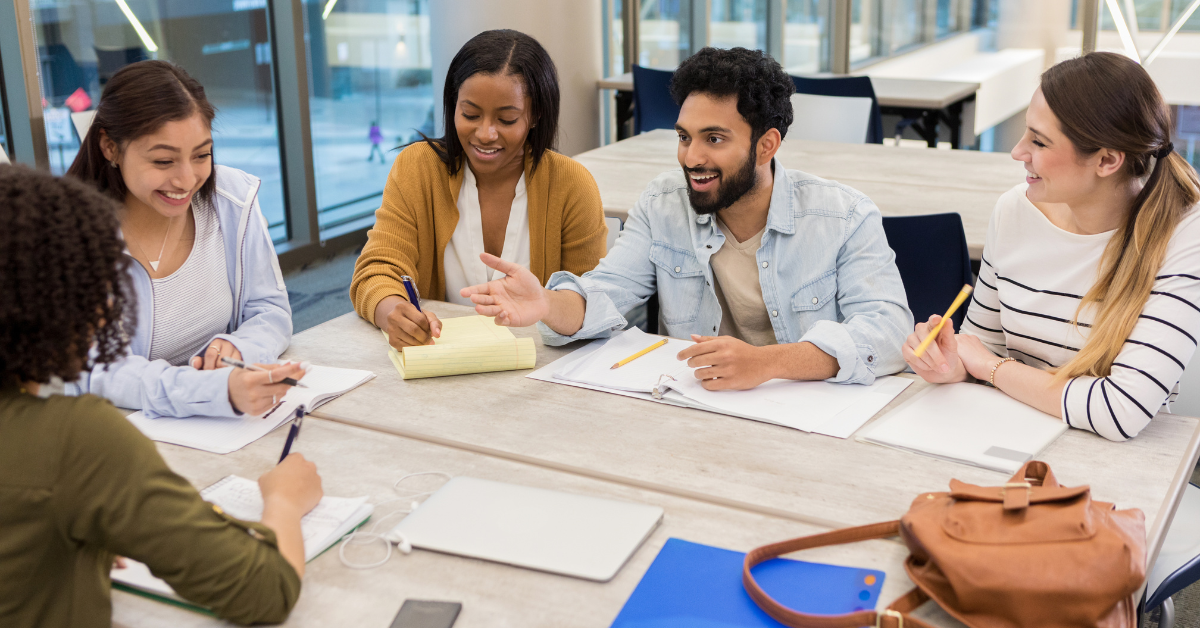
[(1032, 279), (461, 259)]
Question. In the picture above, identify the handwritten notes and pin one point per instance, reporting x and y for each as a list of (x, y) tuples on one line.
[(469, 344)]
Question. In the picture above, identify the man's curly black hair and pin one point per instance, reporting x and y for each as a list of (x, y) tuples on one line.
[(762, 87), (63, 287)]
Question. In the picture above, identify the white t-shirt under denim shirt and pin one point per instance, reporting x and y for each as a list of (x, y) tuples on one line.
[(1031, 282)]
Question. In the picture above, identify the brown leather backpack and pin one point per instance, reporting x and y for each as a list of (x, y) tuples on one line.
[(1029, 553)]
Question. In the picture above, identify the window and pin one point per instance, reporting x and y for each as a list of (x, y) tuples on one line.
[(663, 33), (1193, 22), (224, 45), (737, 23), (806, 37), (1152, 15), (371, 88)]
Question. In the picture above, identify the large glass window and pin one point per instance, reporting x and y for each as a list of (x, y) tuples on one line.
[(371, 85), (864, 30), (738, 23), (806, 36), (1152, 15), (224, 44), (1193, 22), (663, 33)]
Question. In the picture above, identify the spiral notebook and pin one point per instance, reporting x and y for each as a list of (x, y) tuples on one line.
[(222, 435), (240, 498), (468, 344)]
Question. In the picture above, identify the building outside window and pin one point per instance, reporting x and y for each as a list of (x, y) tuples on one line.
[(224, 44), (738, 23), (663, 33), (806, 44), (371, 93)]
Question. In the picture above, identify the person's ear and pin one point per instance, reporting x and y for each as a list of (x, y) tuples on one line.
[(108, 147), (768, 145), (1109, 162)]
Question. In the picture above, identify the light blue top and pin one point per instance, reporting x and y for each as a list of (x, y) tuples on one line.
[(260, 325), (827, 274)]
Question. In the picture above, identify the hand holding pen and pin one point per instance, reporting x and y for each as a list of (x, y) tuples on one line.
[(256, 391), (404, 321)]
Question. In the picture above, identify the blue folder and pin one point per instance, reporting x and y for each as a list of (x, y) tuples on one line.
[(700, 586)]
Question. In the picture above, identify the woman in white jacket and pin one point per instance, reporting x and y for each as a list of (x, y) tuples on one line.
[(207, 279)]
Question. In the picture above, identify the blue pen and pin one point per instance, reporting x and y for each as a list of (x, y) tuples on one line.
[(292, 433), (411, 289)]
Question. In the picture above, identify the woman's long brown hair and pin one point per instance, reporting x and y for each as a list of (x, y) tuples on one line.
[(1106, 100), (137, 101)]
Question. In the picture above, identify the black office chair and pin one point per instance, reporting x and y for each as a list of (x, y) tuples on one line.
[(846, 87), (931, 253), (109, 60), (653, 107)]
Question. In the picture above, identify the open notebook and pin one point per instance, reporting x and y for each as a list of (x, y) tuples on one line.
[(222, 435), (322, 527), (967, 423), (469, 344), (831, 409)]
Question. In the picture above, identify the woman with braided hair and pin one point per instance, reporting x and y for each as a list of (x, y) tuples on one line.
[(78, 483), (1086, 306)]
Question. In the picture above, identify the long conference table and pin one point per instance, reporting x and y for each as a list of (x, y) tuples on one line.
[(901, 181), (723, 481)]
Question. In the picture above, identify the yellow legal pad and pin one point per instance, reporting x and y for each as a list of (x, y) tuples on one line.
[(470, 344)]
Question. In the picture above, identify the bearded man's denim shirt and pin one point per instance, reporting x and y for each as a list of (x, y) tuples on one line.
[(827, 274)]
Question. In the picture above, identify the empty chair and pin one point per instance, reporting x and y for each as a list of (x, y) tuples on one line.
[(843, 87), (934, 263), (1178, 562), (109, 60), (83, 121), (653, 107), (830, 118)]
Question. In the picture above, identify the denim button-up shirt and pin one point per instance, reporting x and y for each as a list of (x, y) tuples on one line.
[(827, 274)]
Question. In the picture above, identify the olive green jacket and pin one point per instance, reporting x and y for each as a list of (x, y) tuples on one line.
[(78, 485)]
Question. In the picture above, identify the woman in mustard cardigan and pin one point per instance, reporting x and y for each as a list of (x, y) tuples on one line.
[(490, 184)]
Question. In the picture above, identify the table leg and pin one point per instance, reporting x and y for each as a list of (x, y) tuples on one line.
[(624, 114), (929, 127), (953, 119)]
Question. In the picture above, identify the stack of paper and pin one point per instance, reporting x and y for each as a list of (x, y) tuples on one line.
[(322, 527), (222, 435), (469, 344), (831, 409), (967, 423)]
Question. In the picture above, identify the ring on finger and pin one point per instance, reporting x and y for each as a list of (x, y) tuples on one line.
[(271, 376), (274, 398)]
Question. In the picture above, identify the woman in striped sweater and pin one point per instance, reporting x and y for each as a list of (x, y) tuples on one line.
[(1086, 306)]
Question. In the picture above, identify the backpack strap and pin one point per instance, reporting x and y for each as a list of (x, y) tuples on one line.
[(896, 614)]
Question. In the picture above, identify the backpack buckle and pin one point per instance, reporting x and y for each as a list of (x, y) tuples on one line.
[(889, 613), (1016, 500)]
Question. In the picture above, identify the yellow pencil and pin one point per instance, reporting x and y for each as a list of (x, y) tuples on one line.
[(962, 296), (639, 354)]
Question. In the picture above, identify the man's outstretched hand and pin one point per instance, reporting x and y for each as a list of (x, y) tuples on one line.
[(515, 300)]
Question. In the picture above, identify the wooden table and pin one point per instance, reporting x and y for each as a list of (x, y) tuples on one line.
[(902, 182), (722, 460), (355, 462), (927, 101)]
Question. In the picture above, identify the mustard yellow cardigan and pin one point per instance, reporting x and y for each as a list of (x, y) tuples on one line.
[(420, 212)]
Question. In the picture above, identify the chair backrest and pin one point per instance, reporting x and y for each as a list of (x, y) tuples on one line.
[(1178, 562), (83, 121), (109, 60), (931, 253), (830, 118), (614, 230), (653, 107), (846, 87), (3, 155)]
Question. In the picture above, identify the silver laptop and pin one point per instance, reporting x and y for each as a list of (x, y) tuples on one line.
[(563, 533)]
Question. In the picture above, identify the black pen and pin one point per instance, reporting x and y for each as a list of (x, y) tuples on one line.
[(250, 367), (292, 433)]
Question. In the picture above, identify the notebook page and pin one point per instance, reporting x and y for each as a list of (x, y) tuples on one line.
[(219, 435), (241, 498), (468, 344), (325, 383), (640, 375)]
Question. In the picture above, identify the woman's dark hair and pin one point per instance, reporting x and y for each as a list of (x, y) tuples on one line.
[(763, 89), (137, 101), (63, 287), (511, 53), (1107, 100)]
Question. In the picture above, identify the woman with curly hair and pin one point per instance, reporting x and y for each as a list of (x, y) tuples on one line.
[(206, 274), (78, 483)]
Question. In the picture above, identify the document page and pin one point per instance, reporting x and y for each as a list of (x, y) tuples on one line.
[(640, 375)]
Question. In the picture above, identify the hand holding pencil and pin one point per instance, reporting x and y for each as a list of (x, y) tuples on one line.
[(932, 349)]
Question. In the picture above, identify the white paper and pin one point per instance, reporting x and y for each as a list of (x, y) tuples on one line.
[(836, 410), (640, 375), (970, 424), (222, 435)]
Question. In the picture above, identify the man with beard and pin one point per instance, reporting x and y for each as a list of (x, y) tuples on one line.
[(774, 273)]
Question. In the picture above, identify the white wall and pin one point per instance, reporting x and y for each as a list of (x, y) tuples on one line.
[(570, 32)]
